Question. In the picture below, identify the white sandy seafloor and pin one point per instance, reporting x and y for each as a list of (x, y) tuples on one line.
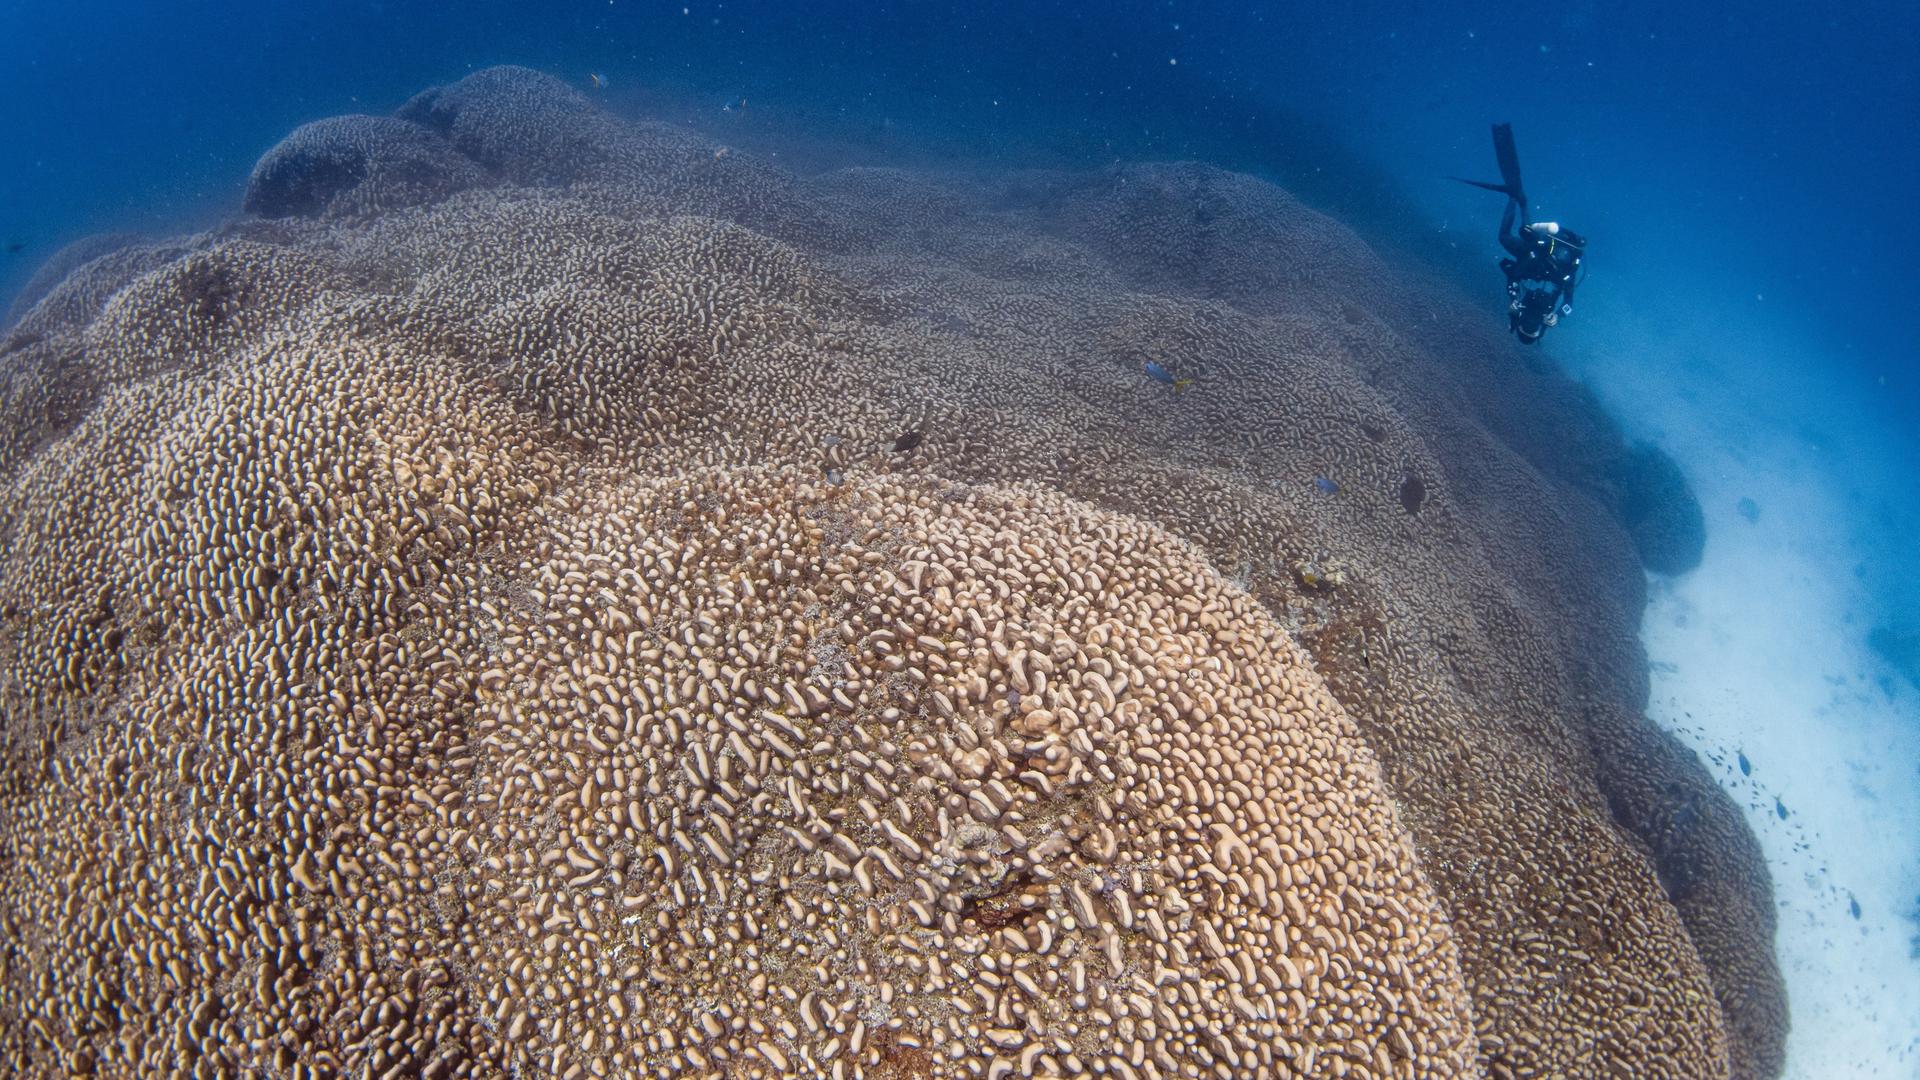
[(1762, 652)]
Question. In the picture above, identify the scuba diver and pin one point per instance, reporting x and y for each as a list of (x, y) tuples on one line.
[(1545, 262)]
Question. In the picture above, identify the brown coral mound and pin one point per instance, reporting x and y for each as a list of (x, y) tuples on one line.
[(356, 165), (524, 125), (62, 264), (650, 614)]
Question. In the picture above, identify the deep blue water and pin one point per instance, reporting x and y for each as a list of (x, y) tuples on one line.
[(1764, 147), (1745, 172)]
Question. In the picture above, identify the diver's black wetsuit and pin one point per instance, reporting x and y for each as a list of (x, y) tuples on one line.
[(1541, 275)]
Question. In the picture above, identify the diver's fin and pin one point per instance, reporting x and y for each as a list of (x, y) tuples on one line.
[(1501, 188), (1509, 160)]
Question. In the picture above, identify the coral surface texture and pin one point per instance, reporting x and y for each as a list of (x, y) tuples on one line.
[(542, 594)]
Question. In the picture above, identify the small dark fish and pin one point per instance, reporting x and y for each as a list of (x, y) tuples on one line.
[(1326, 486), (1780, 808), (906, 442), (1746, 767), (1853, 906), (15, 247)]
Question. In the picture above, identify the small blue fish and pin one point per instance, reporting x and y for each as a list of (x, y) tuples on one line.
[(1746, 767), (1780, 808), (1326, 486), (1162, 375), (1853, 905)]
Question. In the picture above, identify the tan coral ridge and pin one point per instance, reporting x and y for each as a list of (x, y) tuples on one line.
[(404, 597)]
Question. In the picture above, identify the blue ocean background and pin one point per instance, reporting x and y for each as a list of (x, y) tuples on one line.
[(1745, 174)]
